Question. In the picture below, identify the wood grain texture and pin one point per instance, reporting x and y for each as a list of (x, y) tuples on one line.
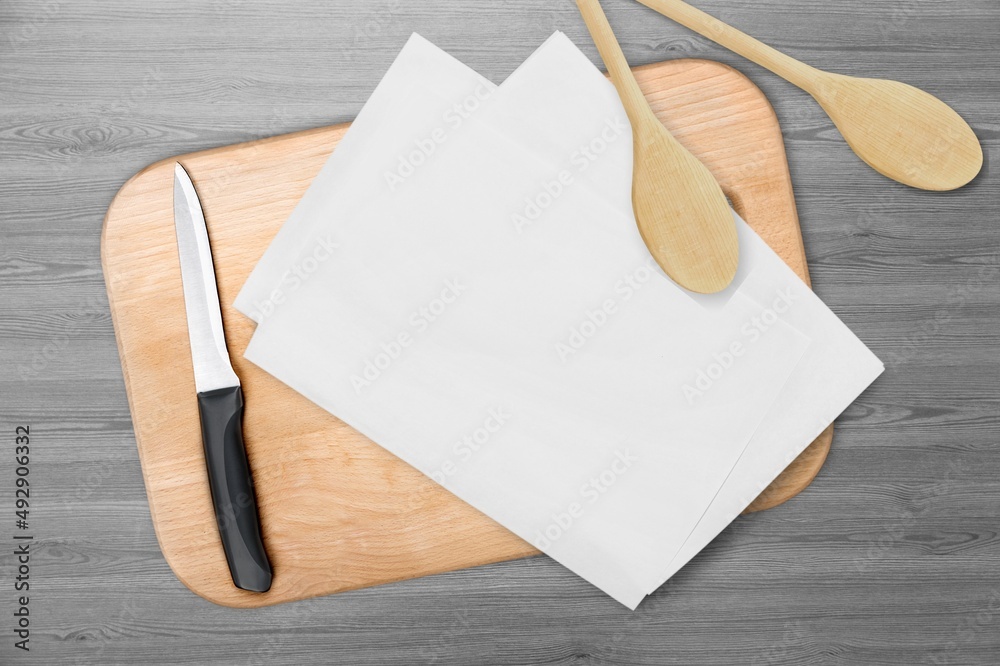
[(889, 557), (337, 511)]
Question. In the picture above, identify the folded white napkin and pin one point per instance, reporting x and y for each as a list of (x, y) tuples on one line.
[(424, 99), (833, 371), (491, 315)]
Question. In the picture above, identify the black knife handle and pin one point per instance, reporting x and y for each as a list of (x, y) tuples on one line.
[(232, 488)]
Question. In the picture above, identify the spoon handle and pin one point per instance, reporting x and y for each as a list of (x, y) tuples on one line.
[(634, 101), (788, 68)]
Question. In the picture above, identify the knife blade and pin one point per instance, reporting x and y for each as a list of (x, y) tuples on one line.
[(220, 396)]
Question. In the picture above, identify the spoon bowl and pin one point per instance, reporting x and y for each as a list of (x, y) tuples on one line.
[(692, 238), (902, 132)]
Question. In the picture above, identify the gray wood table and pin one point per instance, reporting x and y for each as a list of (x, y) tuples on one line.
[(891, 557)]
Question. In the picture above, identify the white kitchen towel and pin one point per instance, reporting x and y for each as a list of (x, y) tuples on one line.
[(834, 370), (423, 100), (495, 284)]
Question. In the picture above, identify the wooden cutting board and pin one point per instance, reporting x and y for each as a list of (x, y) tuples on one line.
[(338, 512)]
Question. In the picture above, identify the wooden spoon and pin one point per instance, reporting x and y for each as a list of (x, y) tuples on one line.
[(900, 131), (680, 209)]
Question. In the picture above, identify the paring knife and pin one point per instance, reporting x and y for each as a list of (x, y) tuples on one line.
[(220, 398)]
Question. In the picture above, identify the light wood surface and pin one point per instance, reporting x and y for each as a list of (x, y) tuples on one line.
[(679, 207), (337, 511), (900, 131)]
